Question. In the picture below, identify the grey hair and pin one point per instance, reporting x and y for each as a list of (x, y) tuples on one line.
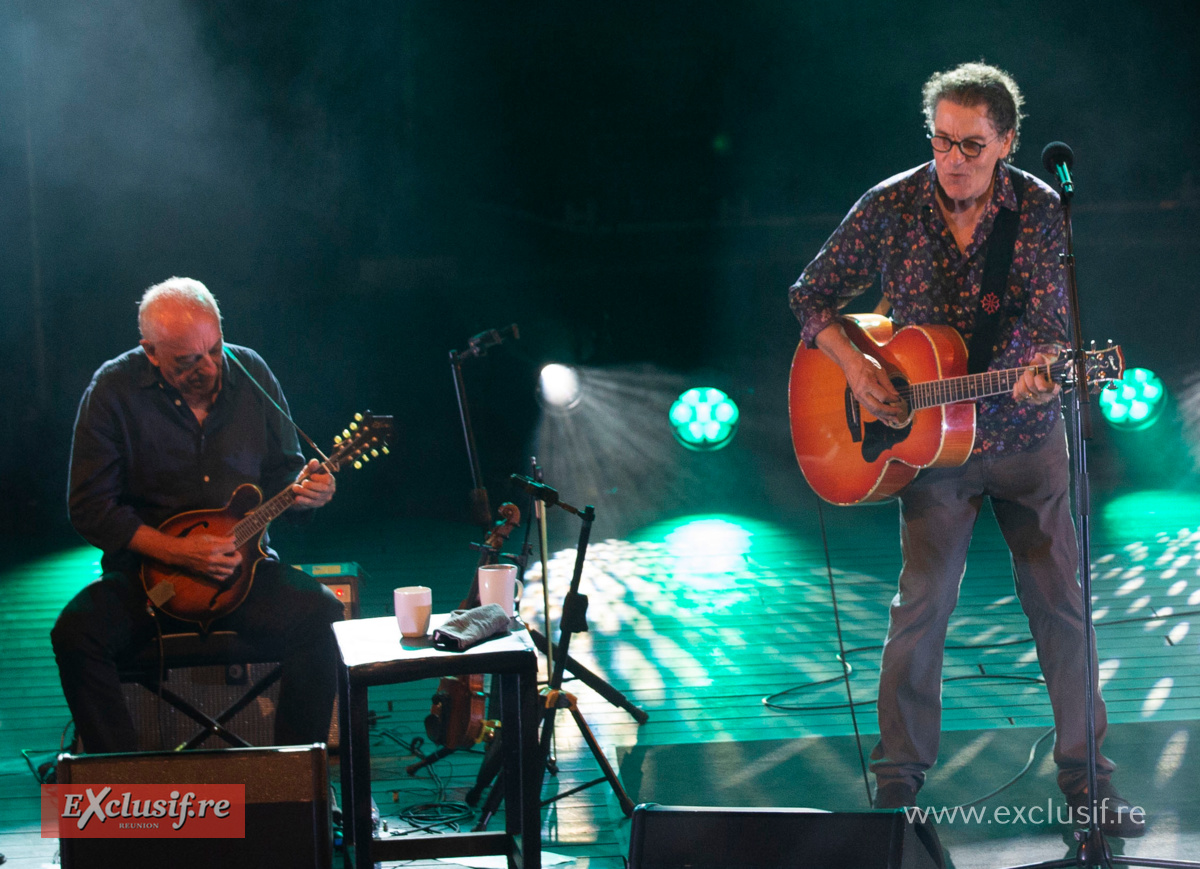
[(972, 84), (180, 292)]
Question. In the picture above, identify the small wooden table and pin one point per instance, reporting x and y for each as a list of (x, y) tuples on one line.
[(373, 653)]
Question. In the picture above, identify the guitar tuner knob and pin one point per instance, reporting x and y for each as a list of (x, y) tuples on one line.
[(346, 433), (357, 465), (337, 439), (358, 417), (374, 454), (353, 426), (385, 450)]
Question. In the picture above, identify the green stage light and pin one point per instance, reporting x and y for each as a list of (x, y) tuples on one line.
[(1135, 401), (704, 418)]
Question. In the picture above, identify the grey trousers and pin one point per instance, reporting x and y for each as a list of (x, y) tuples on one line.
[(938, 510)]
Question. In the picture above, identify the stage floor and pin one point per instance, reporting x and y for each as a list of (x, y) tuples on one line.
[(697, 619)]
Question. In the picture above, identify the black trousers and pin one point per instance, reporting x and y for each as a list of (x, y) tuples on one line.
[(287, 615)]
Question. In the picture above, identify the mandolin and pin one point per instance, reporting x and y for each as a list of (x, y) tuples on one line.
[(195, 597), (850, 457)]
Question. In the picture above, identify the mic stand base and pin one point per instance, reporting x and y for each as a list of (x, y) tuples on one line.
[(596, 683)]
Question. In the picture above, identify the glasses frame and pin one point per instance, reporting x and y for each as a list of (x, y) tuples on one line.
[(953, 142)]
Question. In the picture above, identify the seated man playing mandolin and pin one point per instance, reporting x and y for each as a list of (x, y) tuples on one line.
[(971, 242), (171, 426)]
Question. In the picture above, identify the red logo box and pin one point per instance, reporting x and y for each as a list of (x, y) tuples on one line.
[(143, 811)]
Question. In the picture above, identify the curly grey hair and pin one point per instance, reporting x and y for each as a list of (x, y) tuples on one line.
[(972, 84)]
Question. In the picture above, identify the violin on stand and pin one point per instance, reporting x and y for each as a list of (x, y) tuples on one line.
[(456, 718)]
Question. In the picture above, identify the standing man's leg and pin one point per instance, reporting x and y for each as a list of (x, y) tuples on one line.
[(1033, 507), (937, 512)]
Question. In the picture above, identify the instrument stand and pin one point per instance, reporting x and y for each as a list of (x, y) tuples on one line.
[(1093, 850), (573, 620)]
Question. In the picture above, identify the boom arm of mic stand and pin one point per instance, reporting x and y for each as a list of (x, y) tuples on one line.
[(481, 510)]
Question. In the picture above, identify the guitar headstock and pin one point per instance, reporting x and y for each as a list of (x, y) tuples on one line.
[(1104, 366), (364, 439)]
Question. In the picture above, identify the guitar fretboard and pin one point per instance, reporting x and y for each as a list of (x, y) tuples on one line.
[(971, 386)]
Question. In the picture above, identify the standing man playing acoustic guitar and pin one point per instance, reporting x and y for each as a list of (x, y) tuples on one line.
[(167, 427), (927, 236)]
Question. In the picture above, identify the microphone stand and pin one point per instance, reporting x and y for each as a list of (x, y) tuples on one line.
[(1093, 850), (573, 620)]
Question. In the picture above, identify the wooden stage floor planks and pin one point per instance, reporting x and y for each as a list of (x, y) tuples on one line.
[(697, 619)]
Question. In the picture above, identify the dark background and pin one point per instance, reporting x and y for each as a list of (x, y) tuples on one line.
[(366, 185)]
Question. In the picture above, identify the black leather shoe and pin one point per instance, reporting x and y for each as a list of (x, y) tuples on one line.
[(1117, 817), (895, 795)]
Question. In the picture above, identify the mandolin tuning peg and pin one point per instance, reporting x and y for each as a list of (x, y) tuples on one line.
[(353, 426), (365, 457), (374, 454), (384, 450), (346, 433), (357, 465), (358, 417), (337, 439)]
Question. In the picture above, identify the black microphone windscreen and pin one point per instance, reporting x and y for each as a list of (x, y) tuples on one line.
[(1055, 153)]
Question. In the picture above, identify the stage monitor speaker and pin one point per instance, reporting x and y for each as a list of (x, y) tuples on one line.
[(288, 824), (675, 837), (342, 578)]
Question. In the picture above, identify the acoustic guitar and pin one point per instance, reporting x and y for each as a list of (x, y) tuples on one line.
[(849, 456), (194, 597)]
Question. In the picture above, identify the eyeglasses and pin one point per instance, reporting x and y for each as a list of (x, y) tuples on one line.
[(969, 147)]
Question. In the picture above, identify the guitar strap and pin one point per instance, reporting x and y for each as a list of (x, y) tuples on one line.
[(996, 266), (283, 413)]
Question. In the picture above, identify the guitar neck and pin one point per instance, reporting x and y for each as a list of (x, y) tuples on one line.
[(951, 390)]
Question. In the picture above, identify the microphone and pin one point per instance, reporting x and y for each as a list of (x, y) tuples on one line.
[(1057, 159), (539, 490), (479, 344), (542, 492)]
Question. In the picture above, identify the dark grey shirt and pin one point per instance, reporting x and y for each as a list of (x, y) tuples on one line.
[(139, 456)]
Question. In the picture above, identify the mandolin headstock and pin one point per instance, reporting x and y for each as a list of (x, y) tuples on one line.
[(365, 438)]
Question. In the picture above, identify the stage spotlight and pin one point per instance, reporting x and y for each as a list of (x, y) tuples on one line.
[(704, 418), (559, 388), (1135, 401)]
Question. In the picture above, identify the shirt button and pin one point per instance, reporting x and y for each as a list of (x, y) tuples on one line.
[(206, 478)]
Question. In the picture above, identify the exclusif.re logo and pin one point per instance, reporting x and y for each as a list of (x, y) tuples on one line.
[(144, 811)]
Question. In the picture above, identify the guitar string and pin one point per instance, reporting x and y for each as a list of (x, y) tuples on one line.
[(930, 393)]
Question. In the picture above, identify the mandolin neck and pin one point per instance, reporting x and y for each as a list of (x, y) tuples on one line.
[(255, 522)]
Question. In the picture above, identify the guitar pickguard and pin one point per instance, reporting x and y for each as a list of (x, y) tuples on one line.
[(878, 437)]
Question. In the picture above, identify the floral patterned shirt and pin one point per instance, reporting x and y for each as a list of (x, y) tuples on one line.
[(896, 233)]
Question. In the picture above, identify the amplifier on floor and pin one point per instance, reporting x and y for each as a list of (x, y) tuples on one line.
[(287, 808), (673, 837), (342, 578)]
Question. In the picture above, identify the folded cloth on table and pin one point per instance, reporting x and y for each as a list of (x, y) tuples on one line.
[(467, 628)]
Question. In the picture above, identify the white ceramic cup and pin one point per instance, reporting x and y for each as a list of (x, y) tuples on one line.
[(414, 606), (498, 584)]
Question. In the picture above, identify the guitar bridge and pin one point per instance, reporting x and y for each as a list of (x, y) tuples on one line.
[(853, 416)]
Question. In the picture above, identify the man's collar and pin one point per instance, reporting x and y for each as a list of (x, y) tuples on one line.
[(1003, 194)]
